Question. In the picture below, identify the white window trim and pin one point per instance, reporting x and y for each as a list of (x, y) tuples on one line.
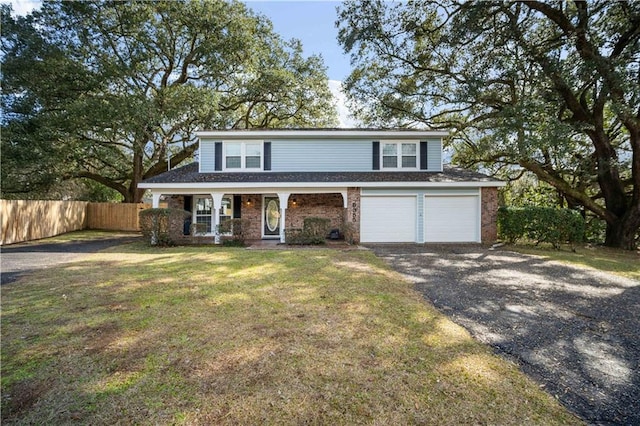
[(194, 214), (398, 144), (243, 156)]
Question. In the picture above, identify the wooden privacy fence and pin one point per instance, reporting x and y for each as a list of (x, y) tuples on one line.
[(26, 220), (31, 220), (114, 217)]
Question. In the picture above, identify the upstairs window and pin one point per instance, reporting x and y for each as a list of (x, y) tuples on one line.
[(243, 155), (399, 155)]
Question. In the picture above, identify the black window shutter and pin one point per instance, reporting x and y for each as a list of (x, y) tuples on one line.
[(376, 155), (237, 206), (188, 206), (267, 155), (188, 201), (218, 157), (423, 156)]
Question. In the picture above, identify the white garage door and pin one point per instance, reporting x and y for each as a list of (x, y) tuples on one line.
[(388, 219), (451, 219)]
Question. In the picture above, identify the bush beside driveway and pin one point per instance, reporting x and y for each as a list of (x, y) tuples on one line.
[(575, 330)]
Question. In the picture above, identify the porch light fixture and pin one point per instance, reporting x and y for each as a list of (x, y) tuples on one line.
[(248, 201), (294, 201)]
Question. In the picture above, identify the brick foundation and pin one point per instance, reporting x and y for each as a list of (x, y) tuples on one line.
[(489, 225)]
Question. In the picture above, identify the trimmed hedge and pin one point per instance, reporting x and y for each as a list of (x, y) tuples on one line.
[(162, 227), (540, 224), (315, 231), (234, 232)]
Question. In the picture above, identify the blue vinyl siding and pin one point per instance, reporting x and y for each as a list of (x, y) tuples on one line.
[(321, 156), (207, 156)]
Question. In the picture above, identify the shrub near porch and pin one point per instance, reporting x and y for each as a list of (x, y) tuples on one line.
[(230, 336)]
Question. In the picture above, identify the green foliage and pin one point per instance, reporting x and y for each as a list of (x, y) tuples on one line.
[(557, 97), (162, 226), (108, 90), (314, 231), (317, 228), (540, 224), (295, 236), (234, 232), (529, 191), (348, 232)]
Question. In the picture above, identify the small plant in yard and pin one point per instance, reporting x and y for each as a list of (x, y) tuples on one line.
[(162, 226)]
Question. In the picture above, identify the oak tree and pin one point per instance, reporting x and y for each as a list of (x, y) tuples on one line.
[(549, 88), (114, 91)]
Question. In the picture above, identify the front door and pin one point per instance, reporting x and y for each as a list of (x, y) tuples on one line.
[(271, 217)]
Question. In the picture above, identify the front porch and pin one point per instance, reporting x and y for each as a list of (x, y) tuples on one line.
[(267, 215)]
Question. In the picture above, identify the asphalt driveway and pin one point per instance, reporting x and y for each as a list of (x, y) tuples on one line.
[(575, 330), (20, 259)]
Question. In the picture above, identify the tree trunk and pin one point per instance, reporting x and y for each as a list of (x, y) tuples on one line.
[(623, 233), (134, 195)]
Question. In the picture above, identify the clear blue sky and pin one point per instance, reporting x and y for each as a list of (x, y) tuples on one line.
[(313, 23)]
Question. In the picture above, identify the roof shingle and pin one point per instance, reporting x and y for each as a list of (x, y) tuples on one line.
[(190, 174)]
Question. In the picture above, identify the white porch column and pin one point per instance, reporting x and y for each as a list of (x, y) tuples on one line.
[(155, 203), (283, 197), (215, 220)]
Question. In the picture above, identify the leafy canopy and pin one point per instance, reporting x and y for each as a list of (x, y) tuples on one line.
[(114, 91), (546, 88)]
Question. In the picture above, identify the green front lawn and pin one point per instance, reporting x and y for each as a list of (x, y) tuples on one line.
[(206, 335), (620, 262)]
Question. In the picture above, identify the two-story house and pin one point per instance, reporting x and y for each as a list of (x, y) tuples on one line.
[(389, 185)]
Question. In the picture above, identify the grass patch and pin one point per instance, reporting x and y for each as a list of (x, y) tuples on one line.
[(210, 335), (621, 262), (83, 235)]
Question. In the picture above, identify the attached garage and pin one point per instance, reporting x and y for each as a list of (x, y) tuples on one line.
[(451, 218), (388, 219)]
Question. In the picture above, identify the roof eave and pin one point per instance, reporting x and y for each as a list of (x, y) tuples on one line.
[(314, 134), (259, 185)]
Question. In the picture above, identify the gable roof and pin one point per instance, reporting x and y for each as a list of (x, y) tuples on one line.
[(190, 174)]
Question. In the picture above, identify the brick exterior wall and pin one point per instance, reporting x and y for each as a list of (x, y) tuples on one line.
[(489, 225), (252, 211), (175, 202), (353, 212), (329, 206)]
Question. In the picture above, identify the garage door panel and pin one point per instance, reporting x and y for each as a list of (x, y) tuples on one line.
[(387, 219), (451, 219)]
